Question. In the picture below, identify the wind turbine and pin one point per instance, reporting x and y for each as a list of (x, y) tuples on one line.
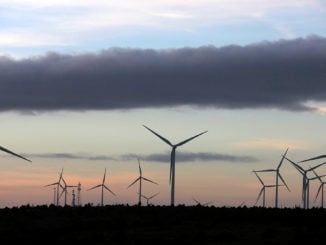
[(13, 153), (278, 175), (65, 189), (140, 178), (305, 180), (149, 198), (57, 184), (262, 190), (102, 186), (321, 188), (199, 203), (172, 163)]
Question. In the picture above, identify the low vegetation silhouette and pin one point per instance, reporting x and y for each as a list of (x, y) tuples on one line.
[(123, 224)]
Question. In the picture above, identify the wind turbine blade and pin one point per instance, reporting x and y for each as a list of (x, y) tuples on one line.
[(13, 153), (51, 184), (259, 195), (133, 182), (191, 138), (279, 165), (64, 182), (60, 175), (63, 191), (196, 201), (94, 187), (319, 189), (149, 180), (154, 195), (161, 137), (272, 185), (260, 180), (140, 171), (265, 170), (319, 177), (280, 176), (298, 167), (317, 166), (109, 190), (104, 176), (314, 158)]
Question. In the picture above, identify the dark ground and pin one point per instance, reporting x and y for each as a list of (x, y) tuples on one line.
[(161, 225)]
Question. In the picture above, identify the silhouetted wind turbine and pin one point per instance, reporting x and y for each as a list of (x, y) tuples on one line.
[(149, 198), (199, 203), (172, 164), (13, 153), (57, 184), (65, 189), (103, 186), (262, 190), (140, 178), (305, 180), (278, 175)]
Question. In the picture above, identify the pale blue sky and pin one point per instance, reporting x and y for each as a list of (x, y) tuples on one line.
[(33, 28)]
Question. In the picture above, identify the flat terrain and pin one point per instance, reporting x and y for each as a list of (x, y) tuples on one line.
[(161, 225)]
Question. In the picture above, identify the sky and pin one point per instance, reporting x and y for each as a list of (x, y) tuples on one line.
[(79, 79)]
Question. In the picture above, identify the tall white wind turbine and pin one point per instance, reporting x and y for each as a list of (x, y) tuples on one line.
[(140, 179), (262, 190), (58, 185), (305, 180), (278, 176), (103, 186), (172, 163), (13, 153)]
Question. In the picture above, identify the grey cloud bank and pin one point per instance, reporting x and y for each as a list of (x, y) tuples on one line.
[(284, 75), (157, 157)]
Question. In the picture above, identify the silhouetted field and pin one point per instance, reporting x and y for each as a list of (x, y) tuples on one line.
[(161, 225)]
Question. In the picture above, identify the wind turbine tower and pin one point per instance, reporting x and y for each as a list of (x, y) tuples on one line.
[(262, 190), (103, 186), (149, 198), (79, 195), (278, 176), (172, 163), (305, 180), (58, 185), (140, 179)]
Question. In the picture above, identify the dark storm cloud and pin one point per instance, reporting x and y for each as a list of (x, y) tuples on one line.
[(283, 74), (159, 157)]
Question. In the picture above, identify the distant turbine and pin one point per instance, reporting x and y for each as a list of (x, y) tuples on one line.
[(305, 181), (13, 153), (321, 188), (262, 190), (57, 184), (204, 204), (140, 178), (65, 189), (149, 198), (103, 186), (278, 175), (172, 164)]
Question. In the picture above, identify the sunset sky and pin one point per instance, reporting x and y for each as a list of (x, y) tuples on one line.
[(78, 79)]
